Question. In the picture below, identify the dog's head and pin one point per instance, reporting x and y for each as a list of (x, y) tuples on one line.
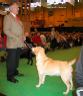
[(37, 50)]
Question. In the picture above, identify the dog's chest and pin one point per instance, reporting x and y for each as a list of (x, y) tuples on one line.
[(39, 59), (40, 64)]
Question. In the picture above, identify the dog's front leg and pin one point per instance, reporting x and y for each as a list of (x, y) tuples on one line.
[(40, 80), (43, 79)]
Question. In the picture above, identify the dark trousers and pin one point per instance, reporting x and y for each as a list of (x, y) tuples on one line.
[(12, 63)]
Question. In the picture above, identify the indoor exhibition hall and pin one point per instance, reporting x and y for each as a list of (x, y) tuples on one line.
[(41, 47)]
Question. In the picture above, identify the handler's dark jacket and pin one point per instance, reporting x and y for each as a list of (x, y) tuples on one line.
[(79, 70)]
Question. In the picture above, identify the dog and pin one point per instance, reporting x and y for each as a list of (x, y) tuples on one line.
[(48, 66), (27, 53)]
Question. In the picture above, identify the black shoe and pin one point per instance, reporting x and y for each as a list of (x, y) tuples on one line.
[(2, 94), (13, 80), (20, 74)]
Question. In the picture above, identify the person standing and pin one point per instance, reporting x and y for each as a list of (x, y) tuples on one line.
[(13, 28), (79, 69), (79, 74)]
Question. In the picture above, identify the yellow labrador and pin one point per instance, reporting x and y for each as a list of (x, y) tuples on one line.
[(48, 66)]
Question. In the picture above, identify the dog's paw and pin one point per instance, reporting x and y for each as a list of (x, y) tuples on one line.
[(65, 93), (38, 86), (42, 82)]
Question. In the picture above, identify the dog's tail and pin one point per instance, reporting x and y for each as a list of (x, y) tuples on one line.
[(72, 62)]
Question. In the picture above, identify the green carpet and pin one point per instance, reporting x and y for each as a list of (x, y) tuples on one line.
[(53, 86)]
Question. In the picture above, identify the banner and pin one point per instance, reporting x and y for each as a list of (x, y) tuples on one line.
[(60, 1)]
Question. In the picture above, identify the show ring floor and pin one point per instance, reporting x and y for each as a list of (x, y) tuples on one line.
[(26, 86)]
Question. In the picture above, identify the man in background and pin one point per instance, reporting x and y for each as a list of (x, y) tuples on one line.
[(13, 28)]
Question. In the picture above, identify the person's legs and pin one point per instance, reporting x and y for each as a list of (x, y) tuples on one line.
[(18, 52), (11, 61)]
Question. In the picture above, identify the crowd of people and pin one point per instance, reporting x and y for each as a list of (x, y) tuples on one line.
[(55, 39), (51, 40)]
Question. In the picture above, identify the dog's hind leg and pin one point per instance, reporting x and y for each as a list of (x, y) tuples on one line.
[(71, 84), (31, 62), (67, 83), (28, 61)]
